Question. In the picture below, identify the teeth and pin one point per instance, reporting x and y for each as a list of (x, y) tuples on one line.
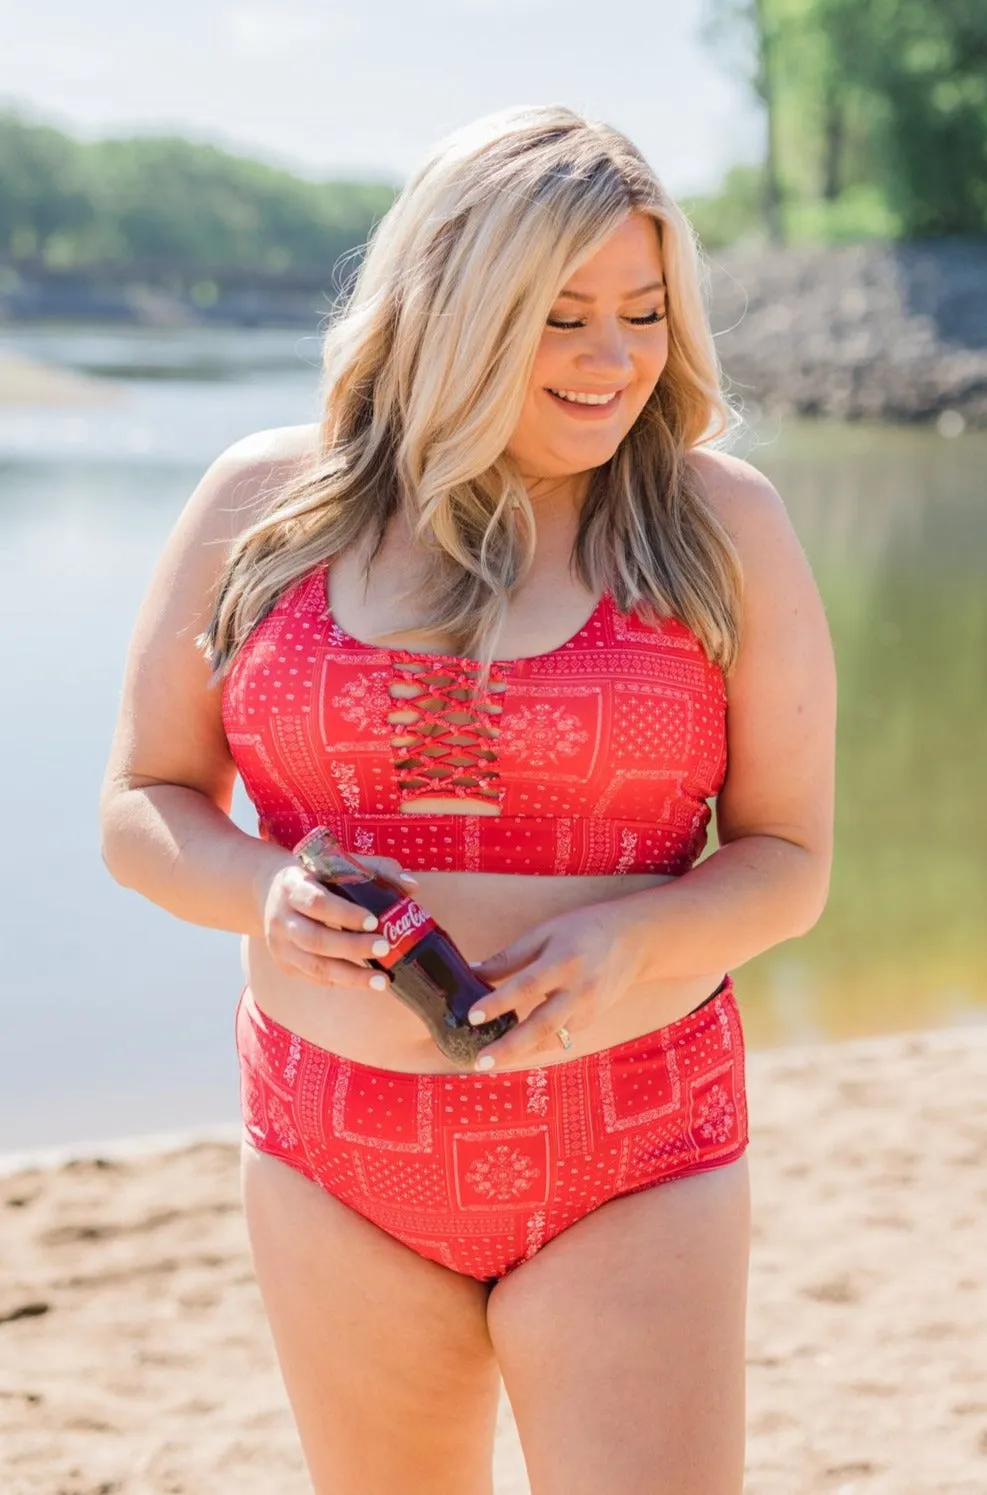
[(578, 399)]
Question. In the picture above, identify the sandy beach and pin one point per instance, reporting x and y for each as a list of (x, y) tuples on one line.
[(29, 381), (135, 1358)]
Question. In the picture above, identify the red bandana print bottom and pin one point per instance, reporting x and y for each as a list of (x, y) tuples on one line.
[(478, 1172)]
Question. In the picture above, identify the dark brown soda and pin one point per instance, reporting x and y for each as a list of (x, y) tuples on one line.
[(427, 972)]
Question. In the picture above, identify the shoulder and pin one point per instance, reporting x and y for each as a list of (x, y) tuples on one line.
[(249, 471), (278, 444), (754, 515), (743, 499), (231, 495)]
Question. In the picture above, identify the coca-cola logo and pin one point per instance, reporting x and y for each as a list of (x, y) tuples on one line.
[(398, 926)]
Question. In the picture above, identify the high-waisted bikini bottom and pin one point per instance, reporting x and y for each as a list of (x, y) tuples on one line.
[(479, 1171)]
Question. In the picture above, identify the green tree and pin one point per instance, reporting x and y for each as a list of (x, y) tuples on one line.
[(166, 200), (875, 113), (923, 66), (748, 33)]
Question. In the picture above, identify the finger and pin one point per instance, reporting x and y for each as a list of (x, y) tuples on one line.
[(317, 902), (332, 972), (335, 944), (522, 994), (390, 870), (537, 1035), (512, 958)]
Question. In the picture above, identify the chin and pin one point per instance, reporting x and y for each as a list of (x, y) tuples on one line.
[(594, 453)]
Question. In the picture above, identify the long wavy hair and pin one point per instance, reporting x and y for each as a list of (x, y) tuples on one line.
[(425, 371)]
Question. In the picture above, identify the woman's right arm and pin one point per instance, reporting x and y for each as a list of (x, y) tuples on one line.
[(168, 786)]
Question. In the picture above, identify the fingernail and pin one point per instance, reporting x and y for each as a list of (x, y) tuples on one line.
[(477, 1017), (474, 964), (407, 877), (378, 982), (485, 1061), (370, 922), (379, 947)]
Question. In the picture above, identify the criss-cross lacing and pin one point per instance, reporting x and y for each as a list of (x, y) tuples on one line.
[(446, 745)]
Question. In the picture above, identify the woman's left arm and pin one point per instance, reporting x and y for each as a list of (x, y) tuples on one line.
[(769, 877)]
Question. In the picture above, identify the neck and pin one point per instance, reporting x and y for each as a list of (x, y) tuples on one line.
[(557, 493)]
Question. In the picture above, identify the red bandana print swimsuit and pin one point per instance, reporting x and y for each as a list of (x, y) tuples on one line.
[(596, 758)]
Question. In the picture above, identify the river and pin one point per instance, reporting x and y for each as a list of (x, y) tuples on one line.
[(118, 1018)]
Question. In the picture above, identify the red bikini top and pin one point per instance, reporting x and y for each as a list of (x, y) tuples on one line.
[(598, 757)]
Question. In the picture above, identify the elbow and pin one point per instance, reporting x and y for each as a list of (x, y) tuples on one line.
[(810, 918), (815, 893), (111, 838), (112, 867), (108, 856)]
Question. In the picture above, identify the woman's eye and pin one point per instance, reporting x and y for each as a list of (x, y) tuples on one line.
[(649, 321)]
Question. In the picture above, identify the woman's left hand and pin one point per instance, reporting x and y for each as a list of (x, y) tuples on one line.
[(563, 973)]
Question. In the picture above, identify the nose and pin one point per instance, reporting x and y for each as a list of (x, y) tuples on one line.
[(605, 353)]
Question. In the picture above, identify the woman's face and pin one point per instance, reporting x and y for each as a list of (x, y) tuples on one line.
[(607, 337)]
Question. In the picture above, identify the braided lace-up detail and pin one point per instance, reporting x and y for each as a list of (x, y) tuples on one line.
[(447, 733)]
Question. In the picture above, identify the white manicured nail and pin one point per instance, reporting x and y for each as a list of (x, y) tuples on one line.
[(379, 947), (485, 1061), (476, 1017), (408, 877), (370, 922), (378, 982)]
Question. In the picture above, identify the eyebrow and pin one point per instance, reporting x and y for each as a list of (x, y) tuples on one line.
[(656, 285)]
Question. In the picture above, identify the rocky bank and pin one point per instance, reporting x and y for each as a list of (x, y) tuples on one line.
[(886, 332)]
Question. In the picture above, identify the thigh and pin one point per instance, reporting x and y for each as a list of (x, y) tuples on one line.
[(386, 1357), (622, 1344)]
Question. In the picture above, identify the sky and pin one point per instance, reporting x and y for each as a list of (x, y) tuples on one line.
[(362, 88)]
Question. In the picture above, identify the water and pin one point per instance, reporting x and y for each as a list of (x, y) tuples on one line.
[(895, 526), (117, 1018)]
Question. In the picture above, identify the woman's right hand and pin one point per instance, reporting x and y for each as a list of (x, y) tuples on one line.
[(312, 932)]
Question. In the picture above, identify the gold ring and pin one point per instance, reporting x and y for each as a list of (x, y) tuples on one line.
[(564, 1038)]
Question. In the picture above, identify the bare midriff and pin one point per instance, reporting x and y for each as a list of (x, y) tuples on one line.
[(483, 912)]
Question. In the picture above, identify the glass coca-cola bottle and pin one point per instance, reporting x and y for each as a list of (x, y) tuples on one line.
[(427, 971)]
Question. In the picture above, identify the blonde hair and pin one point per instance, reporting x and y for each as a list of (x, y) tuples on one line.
[(425, 372)]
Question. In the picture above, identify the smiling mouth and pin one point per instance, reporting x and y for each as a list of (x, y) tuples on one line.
[(581, 397)]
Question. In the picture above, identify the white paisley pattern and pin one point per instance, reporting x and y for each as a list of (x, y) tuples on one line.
[(293, 1060), (502, 1174), (714, 1119), (628, 846), (536, 1081), (281, 1123), (365, 702), (542, 734), (345, 777), (534, 1232), (363, 842)]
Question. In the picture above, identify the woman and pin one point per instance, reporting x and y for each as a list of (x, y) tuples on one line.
[(504, 622)]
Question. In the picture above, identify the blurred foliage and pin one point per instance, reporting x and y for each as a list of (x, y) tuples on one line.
[(875, 119), (735, 214), (162, 198)]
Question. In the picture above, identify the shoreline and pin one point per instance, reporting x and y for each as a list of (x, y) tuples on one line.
[(131, 1147), (137, 1146)]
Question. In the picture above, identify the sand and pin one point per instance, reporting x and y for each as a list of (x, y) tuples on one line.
[(28, 381), (135, 1358)]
